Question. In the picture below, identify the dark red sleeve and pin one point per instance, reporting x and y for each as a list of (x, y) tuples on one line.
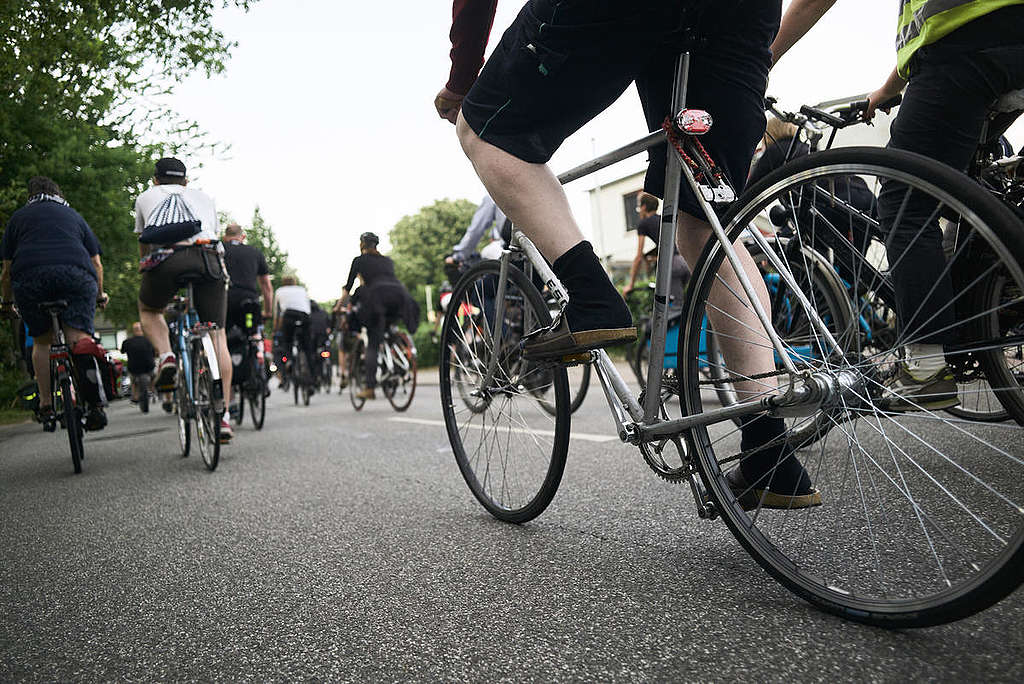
[(471, 27)]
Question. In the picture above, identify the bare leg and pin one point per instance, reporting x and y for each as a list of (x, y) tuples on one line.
[(529, 194), (41, 360), (742, 340), (220, 345), (155, 327)]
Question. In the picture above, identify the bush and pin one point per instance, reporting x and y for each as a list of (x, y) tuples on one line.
[(427, 348)]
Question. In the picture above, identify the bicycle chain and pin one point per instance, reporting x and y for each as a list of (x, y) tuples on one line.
[(738, 378)]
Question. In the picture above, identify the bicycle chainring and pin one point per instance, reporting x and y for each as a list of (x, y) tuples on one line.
[(652, 453)]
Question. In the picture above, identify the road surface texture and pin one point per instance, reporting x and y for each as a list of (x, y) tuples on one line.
[(337, 545)]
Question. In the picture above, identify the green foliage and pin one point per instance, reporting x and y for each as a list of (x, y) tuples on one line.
[(428, 351), (75, 80), (421, 242)]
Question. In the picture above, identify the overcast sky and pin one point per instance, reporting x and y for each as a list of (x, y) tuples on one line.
[(327, 107)]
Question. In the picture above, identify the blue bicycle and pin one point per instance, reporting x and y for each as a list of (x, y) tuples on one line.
[(200, 392)]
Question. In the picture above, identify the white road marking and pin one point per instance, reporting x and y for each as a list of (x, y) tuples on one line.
[(584, 436)]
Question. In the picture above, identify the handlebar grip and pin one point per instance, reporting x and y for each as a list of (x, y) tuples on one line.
[(891, 102), (823, 117)]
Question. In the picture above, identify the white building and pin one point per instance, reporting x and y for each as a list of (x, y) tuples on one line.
[(613, 217)]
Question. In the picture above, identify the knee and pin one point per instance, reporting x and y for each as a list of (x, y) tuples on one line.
[(467, 137)]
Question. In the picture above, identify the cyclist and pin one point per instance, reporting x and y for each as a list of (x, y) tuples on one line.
[(191, 247), (292, 306), (250, 277), (380, 298), (649, 227), (955, 58), (319, 337), (141, 357), (486, 219), (557, 67), (49, 253)]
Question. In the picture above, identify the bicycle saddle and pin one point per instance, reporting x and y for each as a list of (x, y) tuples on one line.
[(187, 277), (55, 306)]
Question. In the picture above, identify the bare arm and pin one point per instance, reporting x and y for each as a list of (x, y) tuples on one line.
[(98, 265), (635, 268), (892, 87), (798, 20), (268, 296)]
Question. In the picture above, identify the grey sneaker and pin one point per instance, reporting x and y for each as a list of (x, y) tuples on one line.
[(905, 392)]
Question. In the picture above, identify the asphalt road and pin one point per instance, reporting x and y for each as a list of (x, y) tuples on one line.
[(345, 546)]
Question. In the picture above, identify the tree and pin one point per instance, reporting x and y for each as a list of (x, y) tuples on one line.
[(419, 243), (74, 79)]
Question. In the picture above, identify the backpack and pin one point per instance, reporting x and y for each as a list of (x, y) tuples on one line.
[(172, 221)]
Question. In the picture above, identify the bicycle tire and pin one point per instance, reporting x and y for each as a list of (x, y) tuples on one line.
[(539, 486), (579, 383), (909, 593), (144, 394), (240, 412), (406, 383), (258, 401), (357, 376), (207, 418), (72, 422), (994, 362), (183, 409)]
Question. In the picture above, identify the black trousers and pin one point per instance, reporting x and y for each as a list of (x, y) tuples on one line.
[(377, 306), (953, 84)]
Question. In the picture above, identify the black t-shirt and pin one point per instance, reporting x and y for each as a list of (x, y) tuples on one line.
[(140, 354), (48, 234), (245, 266), (374, 268), (650, 227)]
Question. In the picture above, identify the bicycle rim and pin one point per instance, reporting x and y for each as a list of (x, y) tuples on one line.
[(921, 517), (404, 385), (206, 416), (510, 451)]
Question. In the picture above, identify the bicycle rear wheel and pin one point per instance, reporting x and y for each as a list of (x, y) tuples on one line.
[(258, 399), (401, 389), (184, 411), (920, 522), (357, 376), (144, 393), (207, 417), (510, 451), (72, 421)]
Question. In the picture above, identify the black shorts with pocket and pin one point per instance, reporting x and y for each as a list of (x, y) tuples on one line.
[(562, 62), (160, 284)]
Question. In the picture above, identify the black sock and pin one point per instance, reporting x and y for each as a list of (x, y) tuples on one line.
[(789, 476), (594, 303)]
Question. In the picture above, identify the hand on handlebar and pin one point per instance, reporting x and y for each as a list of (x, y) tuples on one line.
[(448, 104), (102, 300)]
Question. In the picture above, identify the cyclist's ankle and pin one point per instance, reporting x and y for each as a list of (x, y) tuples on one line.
[(593, 301)]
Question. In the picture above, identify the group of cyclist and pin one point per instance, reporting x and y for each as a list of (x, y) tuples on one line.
[(49, 254)]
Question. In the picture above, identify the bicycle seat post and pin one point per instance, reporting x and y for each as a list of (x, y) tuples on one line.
[(666, 245)]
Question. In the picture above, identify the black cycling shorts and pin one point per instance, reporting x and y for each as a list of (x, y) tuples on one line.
[(562, 62), (160, 284)]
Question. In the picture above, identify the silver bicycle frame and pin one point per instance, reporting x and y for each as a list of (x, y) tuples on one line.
[(641, 424)]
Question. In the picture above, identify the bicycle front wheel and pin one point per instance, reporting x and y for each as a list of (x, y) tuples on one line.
[(919, 521), (357, 376), (510, 451)]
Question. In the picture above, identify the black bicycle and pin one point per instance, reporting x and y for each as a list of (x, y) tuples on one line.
[(396, 369), (64, 390), (298, 370)]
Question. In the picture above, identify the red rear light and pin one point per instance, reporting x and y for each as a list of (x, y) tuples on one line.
[(325, 354), (284, 358)]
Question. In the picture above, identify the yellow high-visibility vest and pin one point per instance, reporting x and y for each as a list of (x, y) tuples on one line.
[(923, 22)]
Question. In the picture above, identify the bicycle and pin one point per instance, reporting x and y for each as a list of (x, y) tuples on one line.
[(249, 378), (875, 305), (64, 389), (396, 369), (199, 392), (143, 382), (918, 526), (298, 370)]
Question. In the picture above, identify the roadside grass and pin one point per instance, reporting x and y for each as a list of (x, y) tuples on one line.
[(10, 416)]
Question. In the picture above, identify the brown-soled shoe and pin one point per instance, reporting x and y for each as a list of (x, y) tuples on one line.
[(366, 393), (557, 341), (752, 497)]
